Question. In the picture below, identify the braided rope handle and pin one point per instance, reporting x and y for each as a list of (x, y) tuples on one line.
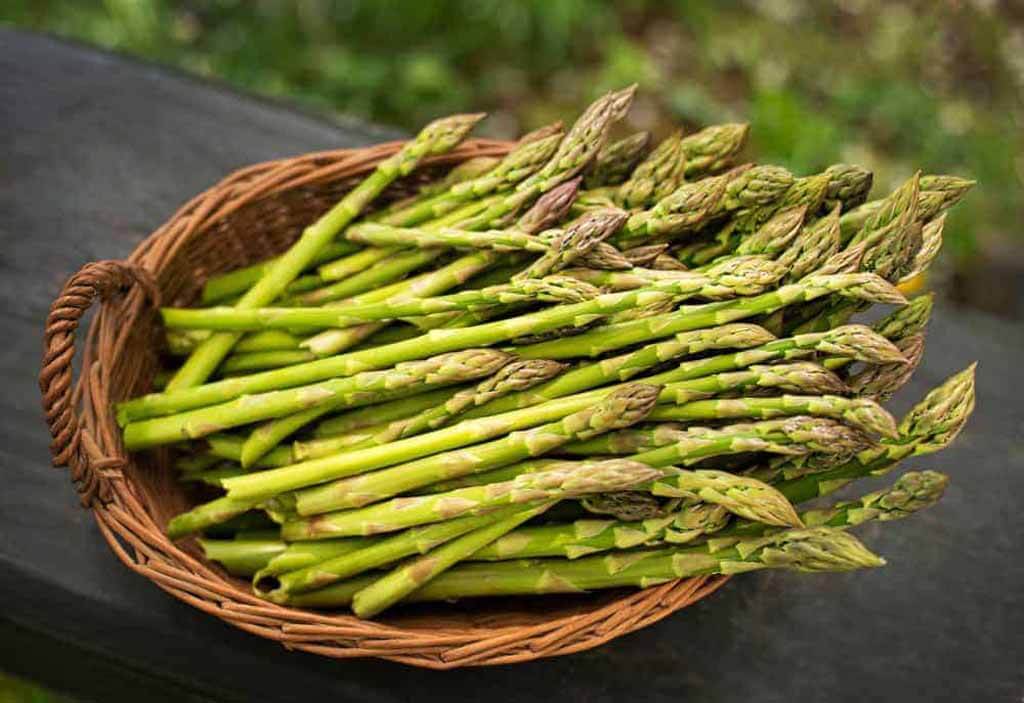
[(72, 446)]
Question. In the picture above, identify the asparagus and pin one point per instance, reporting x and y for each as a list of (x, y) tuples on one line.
[(606, 338), (241, 557), (683, 210), (735, 276), (468, 170), (626, 505), (513, 377), (576, 151), (656, 176), (643, 256), (499, 240), (575, 241), (558, 289), (299, 555), (848, 186), (614, 162), (815, 247), (397, 409), (860, 412), (237, 282), (360, 389), (914, 491), (931, 242), (713, 148), (811, 549), (565, 480), (406, 578), (775, 235), (374, 552), (436, 138), (622, 408), (605, 256), (881, 382), (369, 275)]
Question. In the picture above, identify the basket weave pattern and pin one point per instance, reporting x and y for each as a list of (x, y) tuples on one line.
[(255, 213)]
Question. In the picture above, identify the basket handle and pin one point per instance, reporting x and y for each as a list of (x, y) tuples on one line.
[(72, 446)]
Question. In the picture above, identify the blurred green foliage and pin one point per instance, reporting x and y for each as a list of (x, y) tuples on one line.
[(930, 84), (13, 690)]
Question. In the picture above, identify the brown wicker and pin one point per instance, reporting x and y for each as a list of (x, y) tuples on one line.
[(254, 213)]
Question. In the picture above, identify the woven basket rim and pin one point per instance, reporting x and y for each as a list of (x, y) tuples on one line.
[(87, 441)]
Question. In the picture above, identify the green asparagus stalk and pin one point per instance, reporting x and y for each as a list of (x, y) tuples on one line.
[(513, 377), (931, 242), (467, 170), (815, 549), (576, 151), (614, 162), (576, 240), (656, 176), (374, 552), (407, 578), (629, 505), (643, 256), (860, 412), (397, 409), (360, 389), (622, 408), (848, 186), (233, 283), (815, 247), (683, 210), (735, 276), (605, 256), (713, 148), (499, 240), (566, 480), (299, 555), (436, 138), (881, 382), (609, 337), (241, 557), (776, 234)]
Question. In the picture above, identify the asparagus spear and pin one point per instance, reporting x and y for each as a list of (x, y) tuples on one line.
[(565, 480), (436, 138), (237, 282), (360, 389), (614, 162), (513, 377), (683, 210), (913, 492), (576, 151), (628, 505), (497, 239), (408, 577), (575, 241), (656, 176), (860, 412), (608, 337), (622, 408), (559, 289), (605, 256), (848, 186), (881, 382), (713, 148), (735, 276), (374, 552), (241, 557), (397, 409), (467, 170), (810, 549)]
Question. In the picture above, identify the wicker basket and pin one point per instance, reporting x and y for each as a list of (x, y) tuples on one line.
[(252, 214)]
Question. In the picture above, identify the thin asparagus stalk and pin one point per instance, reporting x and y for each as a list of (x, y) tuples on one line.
[(621, 408), (463, 172), (860, 412), (226, 446), (683, 210), (607, 257), (566, 480), (557, 289), (497, 239), (397, 409), (237, 282), (815, 549), (436, 138), (374, 553), (848, 186), (408, 577), (575, 241), (881, 382), (735, 276), (360, 389), (629, 505), (370, 276), (299, 555), (613, 163), (609, 337)]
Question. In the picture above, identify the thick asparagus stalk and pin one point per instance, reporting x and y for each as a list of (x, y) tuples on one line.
[(622, 408), (811, 549), (406, 578), (436, 138), (360, 389), (241, 557)]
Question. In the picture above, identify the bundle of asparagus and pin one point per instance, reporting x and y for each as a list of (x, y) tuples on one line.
[(588, 364)]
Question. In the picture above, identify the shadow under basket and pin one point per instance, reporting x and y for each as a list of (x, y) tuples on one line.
[(251, 215)]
